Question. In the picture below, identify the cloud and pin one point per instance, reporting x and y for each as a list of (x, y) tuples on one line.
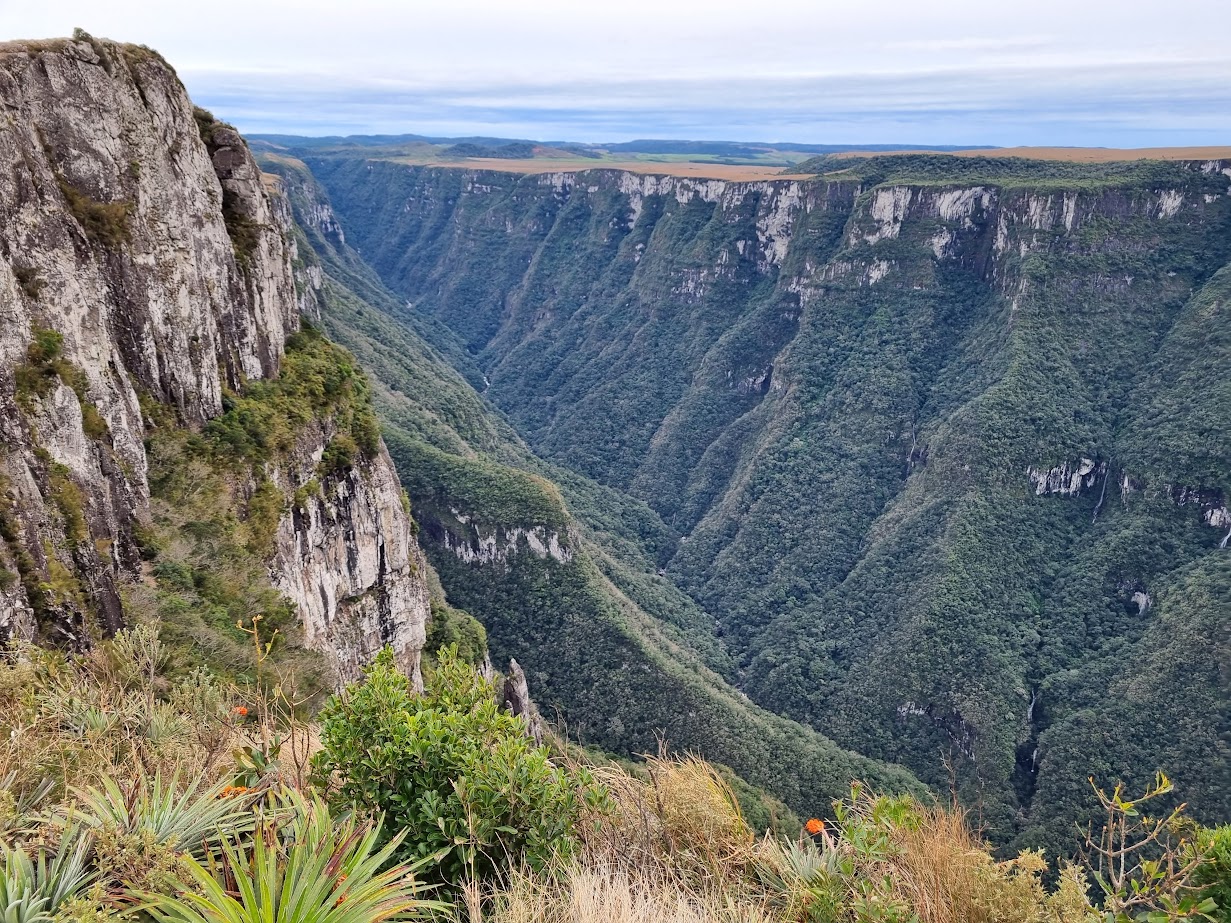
[(947, 71), (1111, 106)]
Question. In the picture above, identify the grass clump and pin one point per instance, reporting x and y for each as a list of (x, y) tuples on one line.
[(68, 500), (104, 223), (29, 281), (44, 368)]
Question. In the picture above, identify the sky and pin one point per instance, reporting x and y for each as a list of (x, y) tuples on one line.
[(1003, 72)]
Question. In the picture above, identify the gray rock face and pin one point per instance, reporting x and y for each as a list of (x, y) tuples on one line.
[(517, 700), (139, 247), (348, 558)]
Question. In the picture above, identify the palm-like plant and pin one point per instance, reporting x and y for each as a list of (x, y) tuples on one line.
[(32, 889), (18, 804), (325, 871), (182, 820)]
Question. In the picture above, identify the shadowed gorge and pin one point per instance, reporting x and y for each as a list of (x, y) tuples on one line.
[(938, 445)]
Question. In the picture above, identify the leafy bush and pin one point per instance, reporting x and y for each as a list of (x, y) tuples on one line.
[(1213, 877), (450, 770)]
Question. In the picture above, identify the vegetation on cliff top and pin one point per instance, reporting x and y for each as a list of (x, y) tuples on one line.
[(129, 792)]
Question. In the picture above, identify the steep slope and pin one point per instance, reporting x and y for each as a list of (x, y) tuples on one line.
[(615, 652), (939, 439), (148, 300)]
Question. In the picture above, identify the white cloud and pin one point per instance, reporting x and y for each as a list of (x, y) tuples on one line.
[(1047, 71)]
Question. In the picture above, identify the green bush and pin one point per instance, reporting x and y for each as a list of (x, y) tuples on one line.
[(1214, 877), (450, 770), (339, 456), (317, 380)]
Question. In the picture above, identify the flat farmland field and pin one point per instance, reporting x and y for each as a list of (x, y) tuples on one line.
[(1074, 154), (699, 170)]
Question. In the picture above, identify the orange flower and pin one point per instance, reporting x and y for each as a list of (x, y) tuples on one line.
[(241, 710), (814, 826), (232, 791)]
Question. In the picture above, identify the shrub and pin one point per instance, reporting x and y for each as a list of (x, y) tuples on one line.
[(1146, 865), (1213, 877), (450, 769), (339, 456)]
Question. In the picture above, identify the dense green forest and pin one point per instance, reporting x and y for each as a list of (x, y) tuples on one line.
[(928, 454), (616, 654)]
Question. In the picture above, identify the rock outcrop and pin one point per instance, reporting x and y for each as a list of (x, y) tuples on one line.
[(142, 263)]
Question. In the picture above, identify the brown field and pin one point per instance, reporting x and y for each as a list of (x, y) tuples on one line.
[(753, 172), (1076, 154), (734, 172)]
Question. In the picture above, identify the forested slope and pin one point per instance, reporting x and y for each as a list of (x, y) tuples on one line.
[(940, 444), (617, 654)]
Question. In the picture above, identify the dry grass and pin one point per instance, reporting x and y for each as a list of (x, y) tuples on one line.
[(1073, 154), (681, 821), (672, 846), (942, 869), (602, 894), (946, 874), (74, 721)]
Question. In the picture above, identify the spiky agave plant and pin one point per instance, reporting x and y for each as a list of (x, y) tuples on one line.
[(183, 820), (34, 887), (324, 871)]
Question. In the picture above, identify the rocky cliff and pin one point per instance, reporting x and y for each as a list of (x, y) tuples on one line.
[(143, 270)]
